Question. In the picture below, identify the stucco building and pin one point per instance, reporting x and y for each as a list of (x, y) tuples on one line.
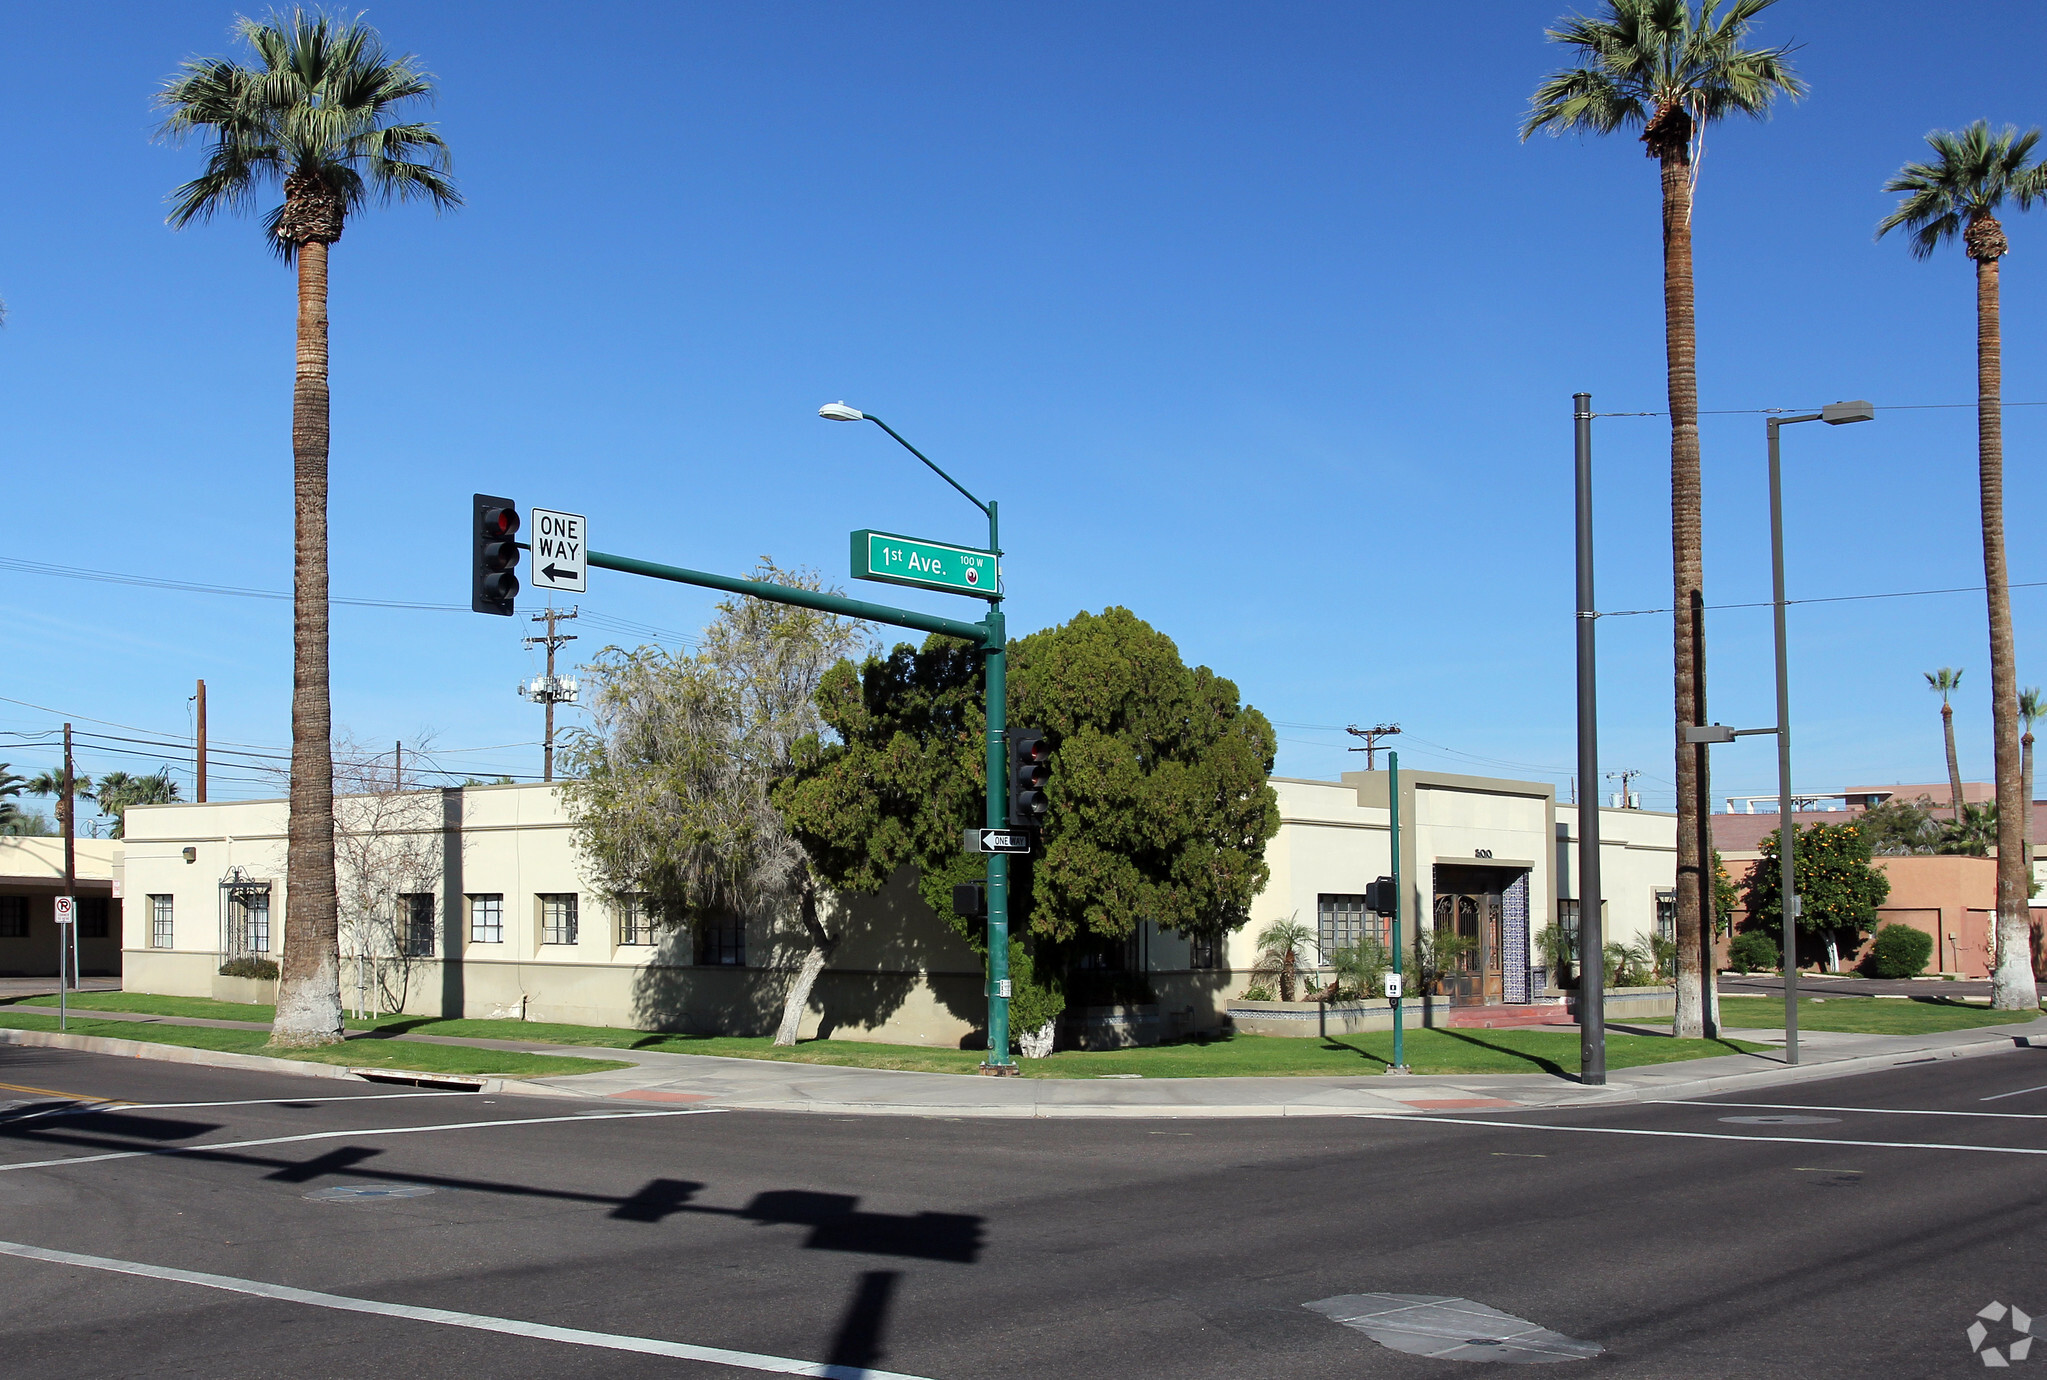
[(485, 910)]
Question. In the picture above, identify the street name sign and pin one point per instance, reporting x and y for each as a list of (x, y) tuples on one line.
[(561, 555), (921, 564), (997, 841)]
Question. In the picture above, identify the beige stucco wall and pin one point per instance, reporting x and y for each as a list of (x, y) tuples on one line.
[(1637, 858)]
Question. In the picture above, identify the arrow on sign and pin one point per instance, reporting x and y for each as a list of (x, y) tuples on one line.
[(555, 572)]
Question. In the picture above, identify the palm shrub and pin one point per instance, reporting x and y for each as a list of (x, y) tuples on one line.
[(1439, 954), (1361, 968), (1283, 949), (1900, 951)]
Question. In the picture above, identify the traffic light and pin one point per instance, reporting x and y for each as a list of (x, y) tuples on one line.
[(1379, 897), (495, 550), (1030, 767)]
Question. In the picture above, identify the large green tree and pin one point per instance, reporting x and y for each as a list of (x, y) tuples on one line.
[(1956, 195), (1670, 70), (670, 782), (1159, 804), (315, 112), (1839, 888)]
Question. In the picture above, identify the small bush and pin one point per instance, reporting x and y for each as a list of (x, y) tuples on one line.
[(1753, 951), (249, 966), (1255, 992), (1900, 952)]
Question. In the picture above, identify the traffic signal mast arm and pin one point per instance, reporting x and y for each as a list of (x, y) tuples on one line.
[(977, 633)]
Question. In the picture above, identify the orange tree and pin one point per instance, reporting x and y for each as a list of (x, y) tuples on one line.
[(1839, 888)]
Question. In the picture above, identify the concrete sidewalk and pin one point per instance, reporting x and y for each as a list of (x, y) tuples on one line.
[(659, 1077)]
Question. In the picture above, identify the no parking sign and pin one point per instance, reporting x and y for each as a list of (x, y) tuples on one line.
[(66, 907)]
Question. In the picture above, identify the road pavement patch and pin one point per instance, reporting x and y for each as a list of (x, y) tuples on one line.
[(1451, 1329)]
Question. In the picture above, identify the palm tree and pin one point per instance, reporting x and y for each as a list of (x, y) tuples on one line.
[(315, 113), (1672, 70), (1957, 196), (118, 790), (1943, 683), (1282, 947), (11, 786), (2029, 710)]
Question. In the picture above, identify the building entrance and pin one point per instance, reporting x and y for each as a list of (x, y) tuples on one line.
[(1483, 911)]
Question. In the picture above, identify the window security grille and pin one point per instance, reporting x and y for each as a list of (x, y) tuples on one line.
[(635, 921), (721, 941), (92, 917), (159, 922), (13, 917)]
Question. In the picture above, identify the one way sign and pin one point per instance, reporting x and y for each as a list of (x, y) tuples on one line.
[(561, 557)]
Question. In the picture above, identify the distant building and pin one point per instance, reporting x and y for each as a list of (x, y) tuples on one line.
[(31, 878)]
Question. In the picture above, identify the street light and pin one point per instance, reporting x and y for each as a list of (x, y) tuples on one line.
[(1833, 414), (995, 691)]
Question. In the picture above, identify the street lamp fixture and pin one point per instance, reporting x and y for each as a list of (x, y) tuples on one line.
[(1833, 414), (839, 412)]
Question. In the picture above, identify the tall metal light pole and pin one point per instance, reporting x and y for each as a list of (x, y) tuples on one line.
[(996, 698), (1591, 935), (1833, 414)]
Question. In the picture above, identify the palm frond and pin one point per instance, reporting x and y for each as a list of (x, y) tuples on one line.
[(1972, 172), (316, 101)]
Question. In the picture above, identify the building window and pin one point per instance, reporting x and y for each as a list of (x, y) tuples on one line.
[(159, 922), (416, 911), (13, 917), (1341, 921), (248, 911), (1204, 951), (721, 941), (635, 920), (487, 918), (1666, 913), (92, 917), (558, 918)]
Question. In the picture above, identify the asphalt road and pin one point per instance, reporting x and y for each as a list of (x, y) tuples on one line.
[(1680, 1243)]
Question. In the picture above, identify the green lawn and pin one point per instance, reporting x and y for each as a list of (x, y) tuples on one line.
[(1241, 1056), (1865, 1015), (372, 1053)]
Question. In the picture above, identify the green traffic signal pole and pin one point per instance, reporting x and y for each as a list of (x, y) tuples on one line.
[(994, 683), (1393, 820)]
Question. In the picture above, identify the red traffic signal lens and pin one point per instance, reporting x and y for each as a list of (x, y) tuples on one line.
[(500, 522)]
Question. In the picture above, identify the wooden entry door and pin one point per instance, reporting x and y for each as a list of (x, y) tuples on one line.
[(1480, 973)]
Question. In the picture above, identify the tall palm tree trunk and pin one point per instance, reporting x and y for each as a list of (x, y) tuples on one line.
[(309, 987), (1954, 766), (2026, 803), (1668, 136), (2012, 987)]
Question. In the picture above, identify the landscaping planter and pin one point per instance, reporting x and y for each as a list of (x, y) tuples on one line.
[(259, 991), (1108, 1027), (1634, 1003)]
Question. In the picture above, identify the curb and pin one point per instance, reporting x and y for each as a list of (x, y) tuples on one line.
[(1837, 1068), (222, 1059)]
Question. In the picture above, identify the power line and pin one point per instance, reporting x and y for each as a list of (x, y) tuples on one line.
[(1834, 598), (1774, 411)]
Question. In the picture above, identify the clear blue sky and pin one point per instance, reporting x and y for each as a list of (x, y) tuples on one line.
[(1258, 320)]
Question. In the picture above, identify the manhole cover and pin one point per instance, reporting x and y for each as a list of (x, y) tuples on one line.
[(1779, 1120), (1451, 1329), (363, 1193)]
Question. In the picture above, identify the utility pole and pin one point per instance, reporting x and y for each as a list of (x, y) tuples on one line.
[(1627, 801), (550, 689), (1371, 737), (199, 743), (64, 932)]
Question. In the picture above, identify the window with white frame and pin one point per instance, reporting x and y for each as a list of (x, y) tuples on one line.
[(1204, 951), (1666, 913), (487, 918), (1341, 921), (558, 918), (13, 917), (159, 922)]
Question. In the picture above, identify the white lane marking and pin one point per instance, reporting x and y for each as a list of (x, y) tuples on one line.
[(1697, 1135), (575, 1336), (87, 1109), (346, 1135), (1875, 1111), (1998, 1096)]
